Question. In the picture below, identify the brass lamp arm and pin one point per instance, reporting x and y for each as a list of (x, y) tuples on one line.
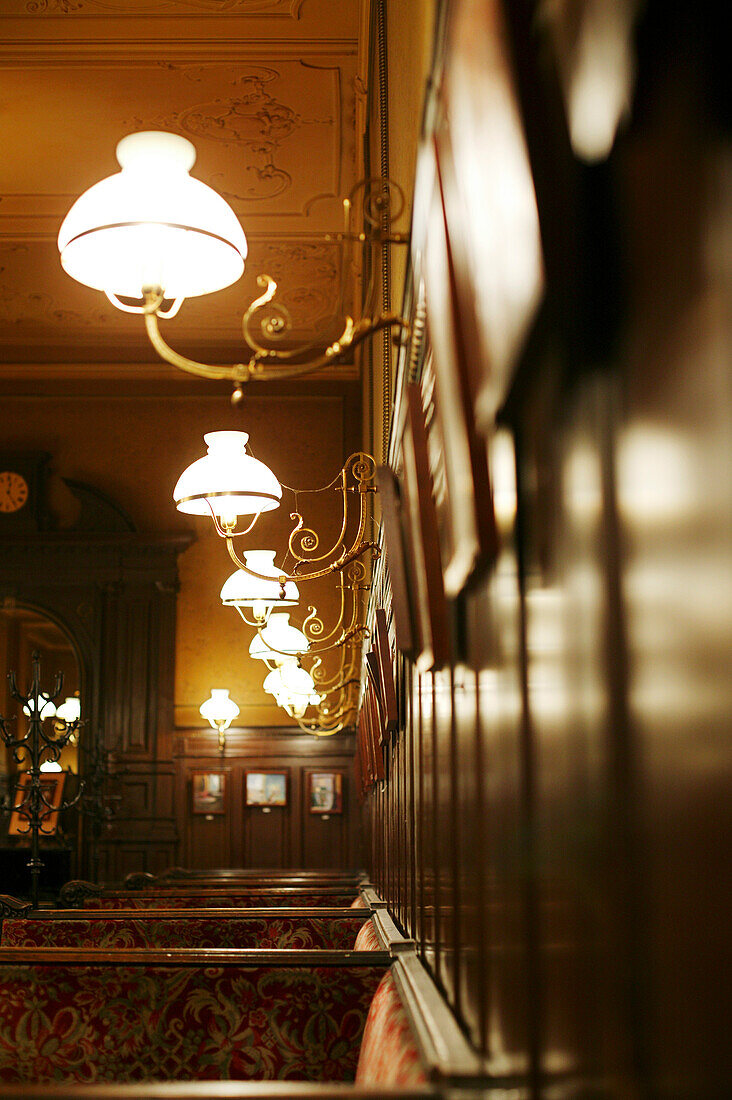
[(263, 364)]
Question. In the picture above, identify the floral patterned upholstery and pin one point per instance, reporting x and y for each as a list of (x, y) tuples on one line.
[(220, 901), (336, 933), (389, 1055), (90, 1023), (366, 940)]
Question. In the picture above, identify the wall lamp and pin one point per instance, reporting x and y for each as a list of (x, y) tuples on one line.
[(219, 711), (151, 236)]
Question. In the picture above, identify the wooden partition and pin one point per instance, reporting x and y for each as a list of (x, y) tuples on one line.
[(550, 826)]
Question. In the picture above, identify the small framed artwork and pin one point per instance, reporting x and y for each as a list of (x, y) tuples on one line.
[(433, 649), (208, 792), (392, 521), (386, 673), (325, 792), (52, 789), (266, 789), (458, 462), (490, 204)]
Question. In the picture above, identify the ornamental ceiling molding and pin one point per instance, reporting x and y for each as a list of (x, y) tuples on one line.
[(289, 9), (255, 120), (252, 119), (63, 53)]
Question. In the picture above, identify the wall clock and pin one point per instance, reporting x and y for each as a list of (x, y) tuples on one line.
[(23, 503), (13, 491)]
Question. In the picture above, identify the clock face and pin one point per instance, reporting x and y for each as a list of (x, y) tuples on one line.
[(13, 491)]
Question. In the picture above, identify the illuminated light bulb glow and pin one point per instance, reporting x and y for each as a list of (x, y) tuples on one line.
[(70, 709), (47, 707), (219, 710), (153, 225), (227, 481), (243, 590)]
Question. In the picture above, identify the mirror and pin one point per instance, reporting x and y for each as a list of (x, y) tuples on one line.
[(24, 631)]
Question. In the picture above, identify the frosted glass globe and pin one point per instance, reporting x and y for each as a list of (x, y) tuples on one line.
[(153, 225), (243, 590), (235, 483), (278, 642), (219, 710), (70, 709)]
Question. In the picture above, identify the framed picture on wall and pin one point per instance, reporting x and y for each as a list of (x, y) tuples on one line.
[(52, 789), (208, 791), (266, 789), (490, 203), (433, 649), (325, 792), (458, 460), (392, 521)]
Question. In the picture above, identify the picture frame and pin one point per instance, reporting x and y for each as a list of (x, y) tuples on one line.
[(393, 525), (208, 792), (265, 788), (458, 457), (426, 581), (325, 792), (52, 786), (490, 201), (386, 673)]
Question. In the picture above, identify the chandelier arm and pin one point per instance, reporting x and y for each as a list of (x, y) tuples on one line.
[(319, 731), (238, 372), (345, 637), (256, 623), (309, 539), (263, 366), (264, 363), (313, 625)]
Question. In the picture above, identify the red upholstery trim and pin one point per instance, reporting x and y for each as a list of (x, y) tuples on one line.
[(367, 940), (389, 1055)]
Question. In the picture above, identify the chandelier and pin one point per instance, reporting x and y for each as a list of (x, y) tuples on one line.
[(152, 235)]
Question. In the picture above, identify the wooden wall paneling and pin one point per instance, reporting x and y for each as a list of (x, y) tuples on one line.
[(429, 824), (207, 838), (470, 839), (267, 829), (445, 826), (674, 485), (497, 657), (420, 817), (325, 837)]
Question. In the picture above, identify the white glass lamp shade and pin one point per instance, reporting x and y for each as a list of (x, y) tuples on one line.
[(46, 707), (243, 590), (231, 481), (290, 680), (278, 641), (152, 225), (51, 766), (219, 710), (70, 709)]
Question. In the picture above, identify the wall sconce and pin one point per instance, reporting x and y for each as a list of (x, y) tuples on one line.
[(219, 711), (227, 482), (278, 642), (293, 688), (69, 711), (153, 234), (250, 589)]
